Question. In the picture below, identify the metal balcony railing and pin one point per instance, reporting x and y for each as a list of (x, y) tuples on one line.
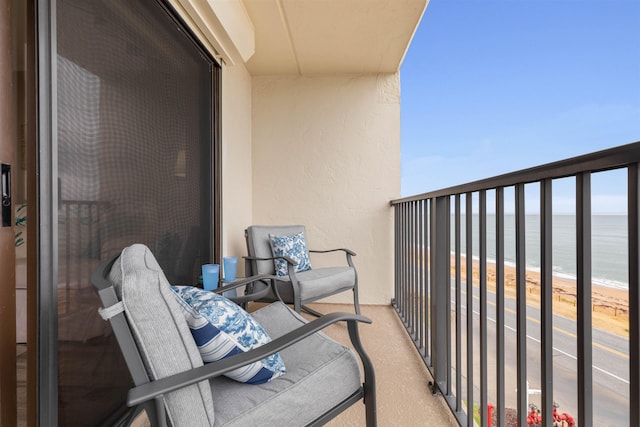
[(437, 236)]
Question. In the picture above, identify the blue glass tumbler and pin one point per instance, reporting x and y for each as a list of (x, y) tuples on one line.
[(230, 268), (210, 276)]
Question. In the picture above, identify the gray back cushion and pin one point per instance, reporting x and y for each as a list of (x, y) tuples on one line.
[(161, 333), (258, 244)]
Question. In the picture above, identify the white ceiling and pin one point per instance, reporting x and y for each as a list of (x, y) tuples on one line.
[(331, 36)]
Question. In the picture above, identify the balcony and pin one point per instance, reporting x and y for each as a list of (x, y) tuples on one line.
[(517, 354), (514, 335), (527, 353)]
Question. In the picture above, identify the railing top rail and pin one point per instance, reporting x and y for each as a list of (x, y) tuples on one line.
[(598, 161)]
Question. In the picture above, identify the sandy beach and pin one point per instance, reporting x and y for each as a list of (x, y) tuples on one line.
[(610, 306)]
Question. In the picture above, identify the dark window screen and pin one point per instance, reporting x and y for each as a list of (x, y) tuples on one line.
[(134, 106)]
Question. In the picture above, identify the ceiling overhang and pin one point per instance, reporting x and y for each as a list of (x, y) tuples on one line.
[(306, 37), (331, 36)]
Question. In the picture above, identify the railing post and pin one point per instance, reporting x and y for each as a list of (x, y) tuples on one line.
[(546, 294), (584, 299), (482, 236), (469, 290), (634, 292), (500, 357), (521, 306), (458, 281), (427, 279), (440, 286)]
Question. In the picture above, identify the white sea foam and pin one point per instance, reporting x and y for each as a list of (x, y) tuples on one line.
[(607, 283)]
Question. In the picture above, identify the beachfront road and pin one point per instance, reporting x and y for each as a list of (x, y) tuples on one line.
[(610, 362)]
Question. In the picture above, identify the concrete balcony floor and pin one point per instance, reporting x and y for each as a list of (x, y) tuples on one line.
[(403, 396)]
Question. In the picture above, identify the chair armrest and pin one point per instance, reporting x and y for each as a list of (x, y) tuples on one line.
[(286, 258), (146, 392), (255, 296), (228, 286), (348, 251)]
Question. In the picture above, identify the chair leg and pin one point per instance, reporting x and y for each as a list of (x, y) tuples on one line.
[(369, 375), (311, 311), (161, 416)]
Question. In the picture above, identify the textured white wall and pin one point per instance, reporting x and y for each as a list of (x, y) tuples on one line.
[(326, 154), (236, 160)]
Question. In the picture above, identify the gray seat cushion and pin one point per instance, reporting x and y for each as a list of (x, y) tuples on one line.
[(320, 374), (161, 332), (320, 282)]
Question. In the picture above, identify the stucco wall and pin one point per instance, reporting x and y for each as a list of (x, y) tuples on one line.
[(236, 160), (326, 154)]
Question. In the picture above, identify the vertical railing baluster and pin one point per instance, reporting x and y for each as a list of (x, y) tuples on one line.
[(405, 263), (433, 248), (546, 305), (440, 285), (482, 230), (425, 278), (90, 235), (500, 359), (469, 280), (583, 270), (633, 212), (409, 271), (407, 242), (417, 297), (446, 278), (419, 323), (69, 245), (412, 269), (399, 264), (428, 282), (79, 244), (404, 260), (458, 306), (521, 306), (394, 298), (416, 252), (398, 252), (99, 228), (400, 261)]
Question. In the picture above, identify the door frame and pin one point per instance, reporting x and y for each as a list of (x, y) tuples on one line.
[(8, 380), (47, 196)]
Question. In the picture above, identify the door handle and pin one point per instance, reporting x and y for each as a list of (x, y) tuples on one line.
[(6, 195)]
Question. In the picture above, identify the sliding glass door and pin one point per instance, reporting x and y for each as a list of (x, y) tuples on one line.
[(133, 161)]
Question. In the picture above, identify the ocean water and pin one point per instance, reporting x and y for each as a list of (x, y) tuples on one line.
[(609, 240)]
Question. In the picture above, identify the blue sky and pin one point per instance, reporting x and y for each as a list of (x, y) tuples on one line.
[(494, 86)]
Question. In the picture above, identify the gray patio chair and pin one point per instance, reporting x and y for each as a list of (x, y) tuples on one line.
[(173, 385), (297, 287)]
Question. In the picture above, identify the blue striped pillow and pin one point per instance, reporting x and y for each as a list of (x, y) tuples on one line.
[(221, 329)]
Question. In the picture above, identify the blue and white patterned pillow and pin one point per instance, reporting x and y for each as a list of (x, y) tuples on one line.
[(221, 329), (294, 247)]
